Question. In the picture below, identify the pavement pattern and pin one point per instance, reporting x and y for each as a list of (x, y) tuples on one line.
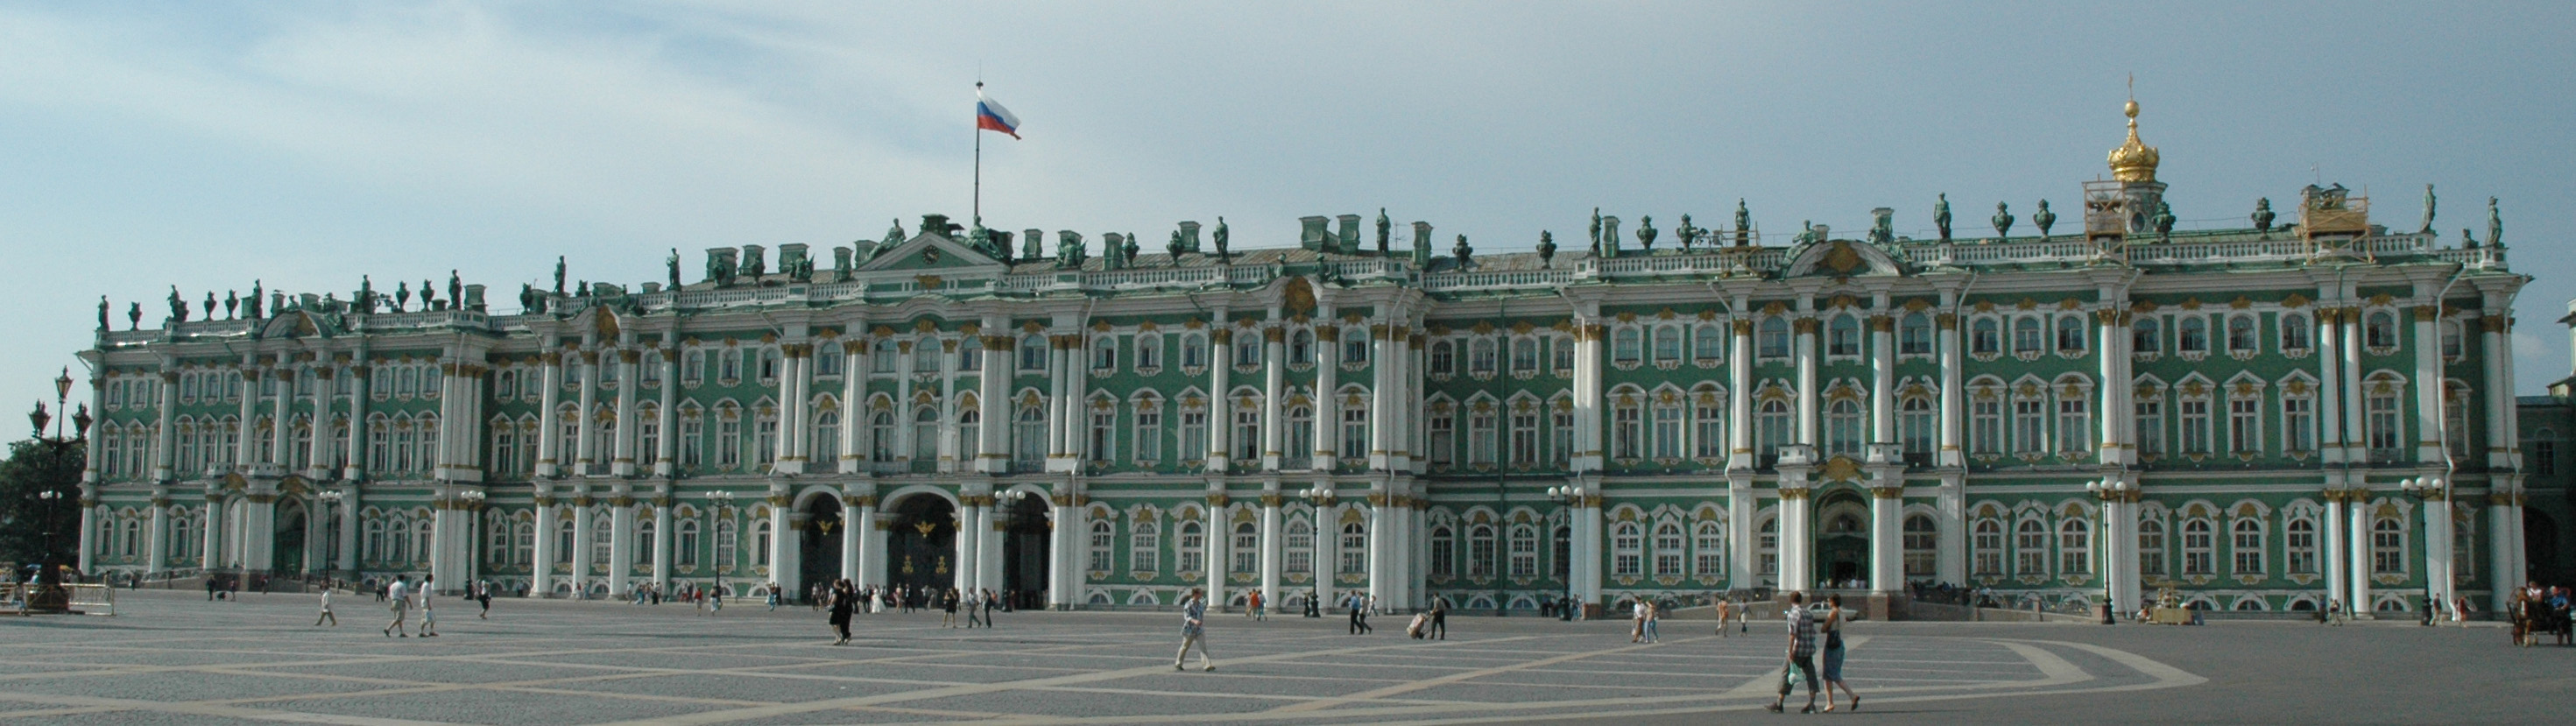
[(171, 657)]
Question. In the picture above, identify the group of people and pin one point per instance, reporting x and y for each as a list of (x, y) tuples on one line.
[(2536, 610)]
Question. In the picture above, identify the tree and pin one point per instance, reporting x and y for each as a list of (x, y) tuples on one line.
[(35, 466)]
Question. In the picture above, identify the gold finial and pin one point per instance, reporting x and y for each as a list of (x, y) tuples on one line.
[(2134, 161)]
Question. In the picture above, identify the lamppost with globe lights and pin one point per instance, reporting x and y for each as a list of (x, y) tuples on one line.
[(49, 596), (1569, 496), (330, 499), (470, 502), (1320, 499), (2111, 493), (719, 501), (2431, 490)]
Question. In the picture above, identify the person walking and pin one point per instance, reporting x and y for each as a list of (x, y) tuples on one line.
[(1637, 621), (843, 599), (972, 600), (948, 608), (1440, 616), (1802, 653), (428, 614), (1359, 613), (326, 611), (1252, 609), (1654, 617), (394, 592), (991, 600), (773, 597), (1725, 607), (483, 595), (1833, 628), (1194, 631)]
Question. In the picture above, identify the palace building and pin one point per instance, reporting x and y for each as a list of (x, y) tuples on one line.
[(2262, 418)]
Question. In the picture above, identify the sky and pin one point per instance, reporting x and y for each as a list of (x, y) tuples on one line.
[(208, 145)]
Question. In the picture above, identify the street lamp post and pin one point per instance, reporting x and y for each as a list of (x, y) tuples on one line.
[(2110, 493), (720, 500), (1323, 571), (49, 595), (1568, 496), (2428, 490), (330, 499)]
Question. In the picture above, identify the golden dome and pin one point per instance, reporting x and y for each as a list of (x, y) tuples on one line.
[(2134, 161)]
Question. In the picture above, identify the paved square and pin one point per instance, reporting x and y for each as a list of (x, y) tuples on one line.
[(171, 657)]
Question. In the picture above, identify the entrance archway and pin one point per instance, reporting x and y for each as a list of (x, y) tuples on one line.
[(1842, 540), (287, 555), (1024, 551), (920, 542), (2540, 547), (818, 543)]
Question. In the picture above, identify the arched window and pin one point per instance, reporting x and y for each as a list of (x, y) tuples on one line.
[(2151, 545), (2294, 332), (1247, 348), (2451, 339), (970, 433), (1914, 334), (1708, 344), (1625, 346), (1668, 344), (2387, 546), (1922, 546), (827, 438), (1842, 338), (1443, 358), (1033, 354), (1149, 352), (1104, 353), (685, 548), (1772, 426), (1985, 337), (1524, 551), (1480, 551), (1103, 546), (925, 354), (1444, 551), (2192, 334), (760, 543), (1766, 547), (1627, 549), (2198, 550), (2026, 336), (881, 436), (1355, 347), (1145, 546), (2074, 546), (2146, 336), (564, 541), (728, 545), (1842, 427), (1297, 553), (1301, 346), (1194, 351), (602, 531), (1914, 419), (2030, 548), (1246, 548), (2070, 334), (1354, 548), (1480, 356), (644, 533), (925, 434), (1192, 547), (1668, 549), (1709, 548), (2241, 336), (1774, 338), (2380, 330), (1028, 437), (2300, 545)]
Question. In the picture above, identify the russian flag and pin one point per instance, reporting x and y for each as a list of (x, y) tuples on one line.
[(990, 116)]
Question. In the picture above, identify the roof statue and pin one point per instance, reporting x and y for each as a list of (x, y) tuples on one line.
[(1221, 237), (1176, 247), (1645, 233), (2495, 224), (1546, 249), (1130, 250), (1684, 234), (671, 266), (2164, 221), (1382, 225), (402, 296), (559, 277), (1068, 250), (1596, 231), (232, 301), (1941, 216), (429, 296), (455, 289), (1743, 220), (178, 306), (1882, 227), (2428, 211), (2003, 220), (1609, 237), (252, 306), (210, 305), (2467, 242), (1463, 251), (102, 313), (2263, 216), (134, 316), (755, 262), (2044, 218), (1806, 233), (2134, 161)]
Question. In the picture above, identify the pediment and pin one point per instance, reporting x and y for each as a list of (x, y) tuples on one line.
[(295, 324), (927, 252), (1843, 258)]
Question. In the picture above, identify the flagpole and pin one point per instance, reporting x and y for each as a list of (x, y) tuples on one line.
[(978, 131)]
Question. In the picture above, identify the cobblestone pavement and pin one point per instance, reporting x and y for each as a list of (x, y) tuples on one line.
[(170, 657)]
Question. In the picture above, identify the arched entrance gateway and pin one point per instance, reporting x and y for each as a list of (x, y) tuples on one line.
[(1842, 539), (288, 539), (921, 542), (818, 549), (1024, 551)]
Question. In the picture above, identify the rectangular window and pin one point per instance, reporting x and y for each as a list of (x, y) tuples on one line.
[(1561, 438), (1194, 436), (1149, 433), (2384, 431), (1986, 418), (1104, 439), (2151, 426), (1625, 430), (1709, 431), (1440, 438), (2244, 432), (2298, 425), (1480, 438), (1524, 438), (2030, 426), (1668, 432), (1355, 433), (1247, 434), (2195, 426)]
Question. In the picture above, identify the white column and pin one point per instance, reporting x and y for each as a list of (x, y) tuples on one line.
[(1380, 556), (666, 447), (782, 539), (1588, 548), (991, 439), (663, 534), (1887, 536), (952, 450), (1953, 452), (211, 551), (2503, 519), (542, 571), (2429, 385), (2437, 546), (1805, 354), (621, 534), (988, 552), (1066, 578), (2497, 351), (1382, 405), (622, 455), (354, 467), (1220, 412), (280, 436), (1587, 396), (1882, 385), (2359, 601), (2333, 545), (1274, 392), (165, 452), (1270, 555), (550, 453), (903, 423), (1739, 406), (1219, 542), (159, 540), (2111, 392), (586, 445), (246, 437), (2356, 440), (1059, 408), (1740, 505), (349, 523), (89, 519), (2330, 432), (1328, 404), (1328, 546), (853, 521), (1797, 572), (582, 549)]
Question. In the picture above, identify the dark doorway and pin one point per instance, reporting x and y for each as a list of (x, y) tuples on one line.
[(819, 543), (921, 543), (1024, 551), (1842, 541), (288, 557)]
